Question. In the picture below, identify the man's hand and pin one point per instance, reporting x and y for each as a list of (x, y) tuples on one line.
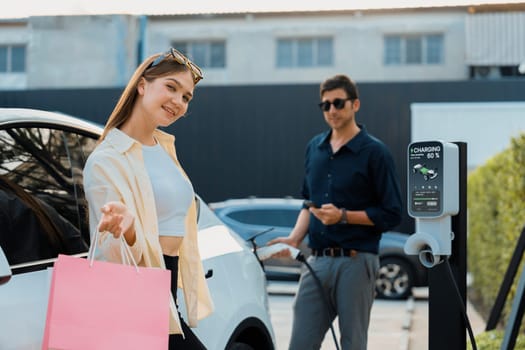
[(117, 220), (283, 253), (328, 214)]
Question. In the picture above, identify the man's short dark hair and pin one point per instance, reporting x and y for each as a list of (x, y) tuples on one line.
[(340, 81)]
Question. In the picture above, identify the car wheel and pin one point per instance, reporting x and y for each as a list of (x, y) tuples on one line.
[(395, 279)]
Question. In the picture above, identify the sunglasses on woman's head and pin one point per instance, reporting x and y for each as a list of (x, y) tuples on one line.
[(339, 103), (181, 59)]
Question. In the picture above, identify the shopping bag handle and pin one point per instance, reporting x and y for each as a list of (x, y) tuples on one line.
[(125, 251)]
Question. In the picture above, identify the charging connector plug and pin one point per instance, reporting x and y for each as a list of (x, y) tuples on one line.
[(268, 251)]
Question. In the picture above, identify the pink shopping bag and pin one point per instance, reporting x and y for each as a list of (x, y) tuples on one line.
[(96, 305)]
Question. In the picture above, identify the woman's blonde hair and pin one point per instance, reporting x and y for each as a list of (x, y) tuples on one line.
[(124, 106)]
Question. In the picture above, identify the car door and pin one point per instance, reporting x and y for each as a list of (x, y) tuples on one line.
[(44, 166)]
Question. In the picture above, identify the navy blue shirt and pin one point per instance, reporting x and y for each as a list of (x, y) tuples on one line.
[(359, 176)]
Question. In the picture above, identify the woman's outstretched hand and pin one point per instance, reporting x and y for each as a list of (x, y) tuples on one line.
[(117, 220)]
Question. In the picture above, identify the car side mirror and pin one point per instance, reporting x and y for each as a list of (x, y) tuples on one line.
[(5, 271)]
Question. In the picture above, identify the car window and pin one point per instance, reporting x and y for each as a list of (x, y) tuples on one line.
[(271, 217), (46, 164)]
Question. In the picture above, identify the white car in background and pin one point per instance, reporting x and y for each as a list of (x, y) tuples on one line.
[(44, 153)]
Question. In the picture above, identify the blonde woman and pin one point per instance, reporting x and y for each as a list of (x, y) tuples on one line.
[(136, 187)]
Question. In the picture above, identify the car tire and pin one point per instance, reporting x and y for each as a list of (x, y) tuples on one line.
[(395, 279)]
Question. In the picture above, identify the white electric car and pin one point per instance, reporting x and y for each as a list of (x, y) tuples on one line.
[(42, 154)]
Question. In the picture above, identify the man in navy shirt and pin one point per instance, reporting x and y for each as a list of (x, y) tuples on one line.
[(352, 196)]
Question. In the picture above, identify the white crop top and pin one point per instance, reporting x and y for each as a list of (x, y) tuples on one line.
[(173, 193)]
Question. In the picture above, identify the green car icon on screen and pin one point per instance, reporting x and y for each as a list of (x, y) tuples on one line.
[(428, 174)]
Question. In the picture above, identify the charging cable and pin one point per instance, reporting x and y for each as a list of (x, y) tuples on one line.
[(267, 251), (331, 312), (251, 239), (463, 309)]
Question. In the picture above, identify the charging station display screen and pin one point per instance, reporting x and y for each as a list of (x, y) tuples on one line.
[(425, 201), (425, 180)]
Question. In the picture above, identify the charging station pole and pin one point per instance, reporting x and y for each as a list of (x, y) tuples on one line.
[(447, 326)]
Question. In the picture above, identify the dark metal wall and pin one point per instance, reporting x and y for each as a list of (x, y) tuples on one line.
[(240, 141)]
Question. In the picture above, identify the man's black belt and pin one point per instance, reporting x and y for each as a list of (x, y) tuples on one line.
[(334, 252)]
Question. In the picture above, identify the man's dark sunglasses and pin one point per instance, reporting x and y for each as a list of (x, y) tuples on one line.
[(339, 103)]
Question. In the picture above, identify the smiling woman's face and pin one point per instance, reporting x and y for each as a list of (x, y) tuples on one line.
[(166, 98)]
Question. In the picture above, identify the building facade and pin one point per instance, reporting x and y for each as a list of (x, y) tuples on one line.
[(424, 44)]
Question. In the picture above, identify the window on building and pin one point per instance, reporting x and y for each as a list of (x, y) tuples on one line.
[(413, 49), (393, 50), (12, 58), (434, 49), (304, 52), (205, 54)]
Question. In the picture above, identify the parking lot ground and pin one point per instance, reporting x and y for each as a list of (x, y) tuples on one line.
[(396, 325), (419, 321), (386, 330)]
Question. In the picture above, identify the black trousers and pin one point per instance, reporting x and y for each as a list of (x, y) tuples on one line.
[(177, 341)]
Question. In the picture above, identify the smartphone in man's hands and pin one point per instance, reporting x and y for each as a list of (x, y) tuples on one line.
[(310, 204)]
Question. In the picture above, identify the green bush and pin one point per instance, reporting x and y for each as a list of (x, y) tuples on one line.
[(496, 217), (492, 341)]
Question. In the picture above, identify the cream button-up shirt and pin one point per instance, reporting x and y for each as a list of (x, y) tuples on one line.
[(115, 171)]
